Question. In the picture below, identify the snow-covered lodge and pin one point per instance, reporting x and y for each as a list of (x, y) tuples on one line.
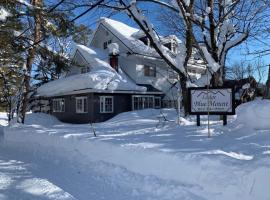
[(118, 71)]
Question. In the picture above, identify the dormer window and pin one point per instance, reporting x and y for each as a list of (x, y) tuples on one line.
[(85, 70), (145, 40), (172, 46), (149, 71), (168, 45)]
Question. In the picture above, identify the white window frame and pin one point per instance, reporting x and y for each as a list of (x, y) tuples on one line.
[(58, 108), (102, 104), (143, 96), (84, 109)]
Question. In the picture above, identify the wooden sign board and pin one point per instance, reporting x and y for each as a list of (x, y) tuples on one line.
[(215, 101)]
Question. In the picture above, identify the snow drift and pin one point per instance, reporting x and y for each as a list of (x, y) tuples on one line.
[(221, 168), (254, 114)]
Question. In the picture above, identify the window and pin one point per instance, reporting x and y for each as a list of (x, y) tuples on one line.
[(174, 47), (149, 71), (142, 102), (105, 44), (81, 104), (85, 70), (145, 40), (106, 104), (59, 105), (157, 102)]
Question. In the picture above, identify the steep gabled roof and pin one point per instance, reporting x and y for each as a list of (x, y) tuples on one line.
[(127, 35)]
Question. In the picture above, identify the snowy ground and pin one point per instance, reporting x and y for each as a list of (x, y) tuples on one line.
[(132, 158)]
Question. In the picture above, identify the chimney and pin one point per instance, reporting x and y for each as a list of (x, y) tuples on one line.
[(114, 61), (114, 54)]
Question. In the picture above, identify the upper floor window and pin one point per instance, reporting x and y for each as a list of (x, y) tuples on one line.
[(149, 71), (59, 105), (105, 44), (174, 47), (85, 70), (106, 104), (145, 40), (81, 104)]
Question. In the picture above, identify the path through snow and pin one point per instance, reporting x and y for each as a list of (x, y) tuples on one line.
[(132, 159)]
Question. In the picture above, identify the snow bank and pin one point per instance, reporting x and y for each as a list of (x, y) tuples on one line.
[(196, 169), (254, 114), (3, 119), (41, 119), (183, 169)]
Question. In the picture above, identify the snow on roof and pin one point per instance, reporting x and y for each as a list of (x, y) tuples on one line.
[(119, 26), (91, 54), (101, 77), (128, 35), (169, 38)]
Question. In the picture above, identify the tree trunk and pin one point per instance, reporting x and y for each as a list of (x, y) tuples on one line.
[(218, 78), (184, 91), (26, 86), (30, 60)]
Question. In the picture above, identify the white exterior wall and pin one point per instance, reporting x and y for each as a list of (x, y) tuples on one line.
[(134, 67), (102, 35)]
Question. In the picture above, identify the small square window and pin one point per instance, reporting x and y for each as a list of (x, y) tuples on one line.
[(149, 71)]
